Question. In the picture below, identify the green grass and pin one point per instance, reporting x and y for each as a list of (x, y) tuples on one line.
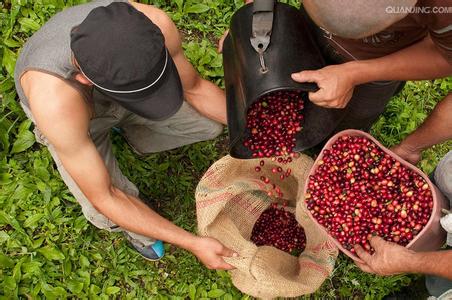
[(48, 249)]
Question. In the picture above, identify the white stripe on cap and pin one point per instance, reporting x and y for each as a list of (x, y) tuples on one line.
[(131, 91)]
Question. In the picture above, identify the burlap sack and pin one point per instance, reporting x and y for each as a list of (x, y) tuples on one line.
[(229, 199)]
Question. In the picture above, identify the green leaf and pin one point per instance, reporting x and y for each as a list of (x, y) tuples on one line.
[(227, 296), (17, 270), (179, 4), (4, 218), (5, 178), (24, 126), (31, 221), (216, 293), (197, 9), (5, 261), (31, 268), (9, 284), (6, 85), (25, 140), (67, 266), (112, 290), (3, 236), (9, 61), (164, 166), (51, 253), (11, 43), (74, 286), (29, 24), (53, 292), (84, 262), (94, 289), (192, 291)]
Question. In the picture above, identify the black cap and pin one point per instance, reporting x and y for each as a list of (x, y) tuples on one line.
[(123, 54)]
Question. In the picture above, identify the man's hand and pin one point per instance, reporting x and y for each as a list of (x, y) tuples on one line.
[(335, 85), (388, 259), (408, 153), (210, 251)]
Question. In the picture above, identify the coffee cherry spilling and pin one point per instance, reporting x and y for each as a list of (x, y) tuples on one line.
[(359, 191), (273, 121), (280, 171), (278, 227)]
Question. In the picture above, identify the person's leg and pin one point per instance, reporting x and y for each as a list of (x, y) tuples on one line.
[(186, 127), (442, 178), (108, 115)]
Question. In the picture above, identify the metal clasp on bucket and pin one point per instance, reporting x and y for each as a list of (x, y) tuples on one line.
[(262, 28)]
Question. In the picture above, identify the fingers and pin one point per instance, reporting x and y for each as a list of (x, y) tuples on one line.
[(377, 242), (306, 76), (225, 252), (224, 266), (318, 98), (228, 252), (323, 98), (410, 154), (364, 267), (395, 148), (363, 254)]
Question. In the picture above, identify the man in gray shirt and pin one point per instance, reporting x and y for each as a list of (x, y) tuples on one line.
[(111, 64)]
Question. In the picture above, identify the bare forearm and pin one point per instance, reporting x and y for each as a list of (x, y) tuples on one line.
[(209, 100), (130, 213), (417, 62), (436, 129), (437, 263)]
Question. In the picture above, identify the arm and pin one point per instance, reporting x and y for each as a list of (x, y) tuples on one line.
[(203, 95), (436, 129), (336, 82), (64, 120), (390, 258)]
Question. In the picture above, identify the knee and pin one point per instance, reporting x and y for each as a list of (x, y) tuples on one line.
[(213, 129), (443, 176)]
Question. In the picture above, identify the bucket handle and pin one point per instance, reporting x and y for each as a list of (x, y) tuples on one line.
[(262, 28)]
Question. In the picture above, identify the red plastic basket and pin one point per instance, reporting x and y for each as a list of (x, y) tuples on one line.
[(431, 237)]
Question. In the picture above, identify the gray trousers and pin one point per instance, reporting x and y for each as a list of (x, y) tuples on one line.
[(442, 177), (187, 126)]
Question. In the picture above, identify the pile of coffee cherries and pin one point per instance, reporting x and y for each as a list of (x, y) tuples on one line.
[(273, 121), (278, 227), (358, 191)]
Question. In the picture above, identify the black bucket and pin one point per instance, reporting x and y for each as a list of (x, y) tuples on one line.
[(267, 42)]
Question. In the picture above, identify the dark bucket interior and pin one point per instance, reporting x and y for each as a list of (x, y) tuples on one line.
[(291, 49)]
